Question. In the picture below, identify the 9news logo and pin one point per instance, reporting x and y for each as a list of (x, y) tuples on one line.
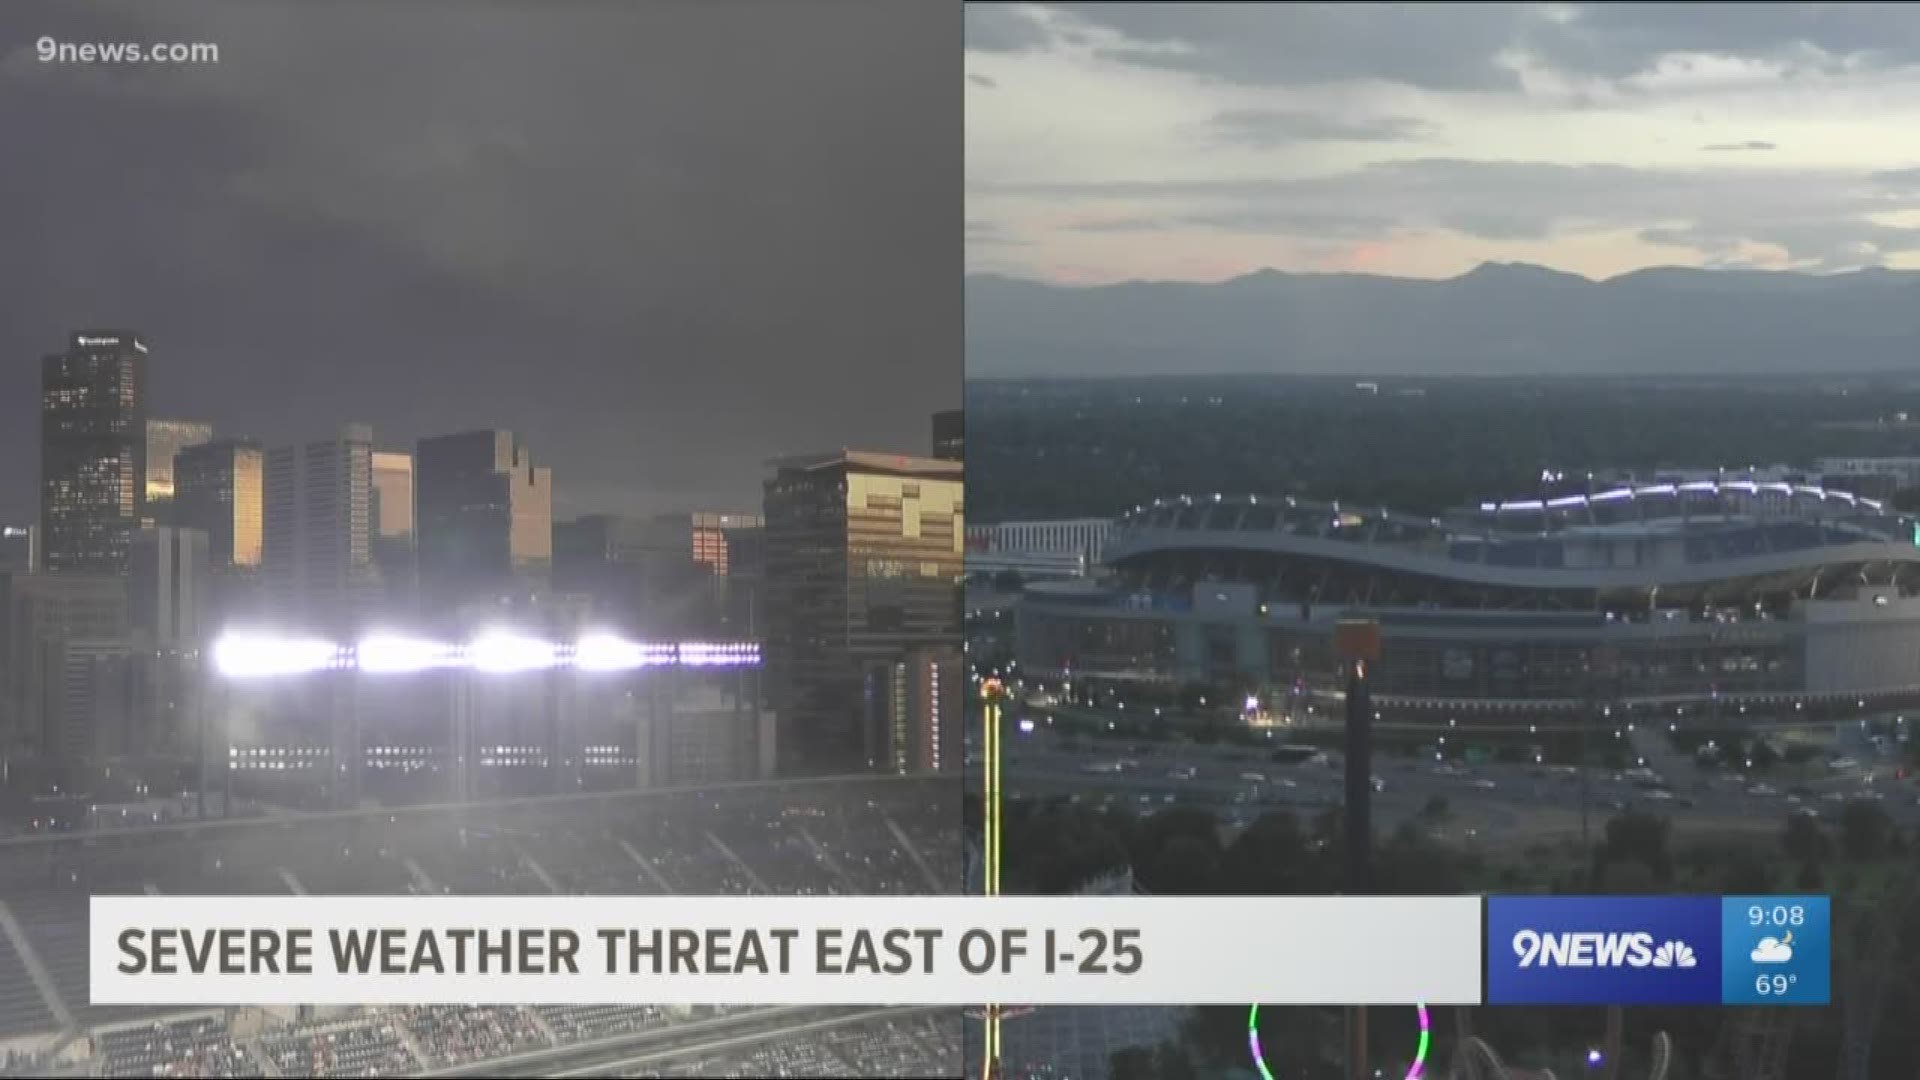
[(1600, 950), (1603, 950)]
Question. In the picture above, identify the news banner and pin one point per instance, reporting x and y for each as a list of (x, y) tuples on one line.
[(959, 950)]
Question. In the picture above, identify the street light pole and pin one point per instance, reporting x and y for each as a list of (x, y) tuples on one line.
[(1357, 642)]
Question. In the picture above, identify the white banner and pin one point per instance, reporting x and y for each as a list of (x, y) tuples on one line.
[(917, 950)]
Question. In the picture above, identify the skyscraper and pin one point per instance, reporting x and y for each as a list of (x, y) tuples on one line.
[(913, 709), (165, 440), (316, 539), (219, 488), (863, 562), (42, 615), (484, 524), (710, 535), (19, 550), (93, 451), (393, 525), (169, 587), (393, 494), (949, 435)]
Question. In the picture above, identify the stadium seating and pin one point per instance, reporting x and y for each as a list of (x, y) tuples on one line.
[(786, 839)]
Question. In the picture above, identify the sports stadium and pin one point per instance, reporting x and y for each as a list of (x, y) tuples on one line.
[(845, 836), (1727, 593)]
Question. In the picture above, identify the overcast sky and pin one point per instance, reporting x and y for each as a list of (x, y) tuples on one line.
[(1197, 142), (664, 241)]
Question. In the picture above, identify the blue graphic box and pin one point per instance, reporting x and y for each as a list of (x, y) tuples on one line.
[(1604, 950), (1778, 950)]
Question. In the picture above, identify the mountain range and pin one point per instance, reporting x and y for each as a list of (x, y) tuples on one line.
[(1498, 319)]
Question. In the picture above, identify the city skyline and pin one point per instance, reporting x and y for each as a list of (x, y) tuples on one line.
[(1112, 142), (303, 242)]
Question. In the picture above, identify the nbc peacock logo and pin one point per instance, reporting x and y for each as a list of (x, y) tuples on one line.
[(1674, 954)]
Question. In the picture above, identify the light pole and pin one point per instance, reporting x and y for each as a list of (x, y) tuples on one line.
[(1357, 643), (991, 692)]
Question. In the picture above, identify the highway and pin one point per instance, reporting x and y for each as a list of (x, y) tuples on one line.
[(1493, 802)]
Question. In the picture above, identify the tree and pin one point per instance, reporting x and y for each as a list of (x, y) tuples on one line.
[(1172, 1063), (1746, 876), (1053, 850), (1642, 838), (1185, 866), (1809, 879), (1804, 841), (1866, 832), (1132, 1063), (1269, 857), (1629, 879), (1411, 864)]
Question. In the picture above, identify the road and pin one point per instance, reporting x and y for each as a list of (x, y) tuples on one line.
[(1494, 802)]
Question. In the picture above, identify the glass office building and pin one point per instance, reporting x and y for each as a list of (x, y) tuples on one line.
[(219, 488), (165, 440), (484, 518), (93, 451), (863, 560)]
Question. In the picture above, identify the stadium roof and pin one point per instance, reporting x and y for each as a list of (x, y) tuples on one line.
[(1622, 538)]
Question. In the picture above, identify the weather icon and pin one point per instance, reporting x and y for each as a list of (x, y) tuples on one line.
[(1773, 950)]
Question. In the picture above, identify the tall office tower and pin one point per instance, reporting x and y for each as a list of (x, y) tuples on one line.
[(913, 709), (949, 435), (745, 582), (683, 563), (317, 534), (165, 440), (710, 532), (19, 552), (40, 615), (220, 489), (169, 587), (393, 494), (484, 519), (93, 451), (608, 559), (393, 523), (863, 561), (93, 703)]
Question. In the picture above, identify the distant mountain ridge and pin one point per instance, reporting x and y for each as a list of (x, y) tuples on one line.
[(1497, 319)]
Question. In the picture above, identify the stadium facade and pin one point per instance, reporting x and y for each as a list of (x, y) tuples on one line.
[(1711, 590)]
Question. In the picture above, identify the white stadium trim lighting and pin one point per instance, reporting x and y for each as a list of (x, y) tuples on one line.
[(256, 655)]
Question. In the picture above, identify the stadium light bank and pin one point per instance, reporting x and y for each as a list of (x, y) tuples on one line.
[(252, 655)]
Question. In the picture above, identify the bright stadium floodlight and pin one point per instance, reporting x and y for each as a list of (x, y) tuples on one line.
[(241, 655), (397, 654), (505, 652), (610, 652), (723, 654)]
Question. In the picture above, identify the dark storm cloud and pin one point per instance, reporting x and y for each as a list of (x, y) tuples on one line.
[(1270, 128), (1001, 27), (1750, 144), (1615, 40), (1432, 45), (1463, 46), (663, 241)]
